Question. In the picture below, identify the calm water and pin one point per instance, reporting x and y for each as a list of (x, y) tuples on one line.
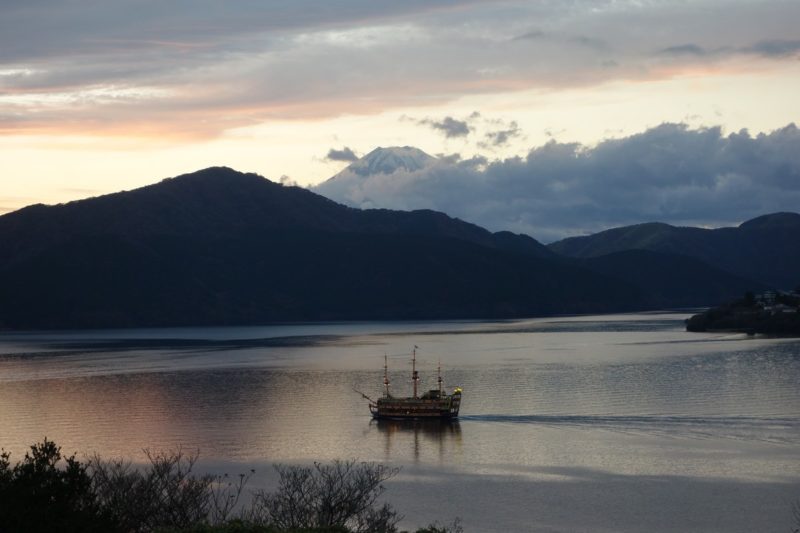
[(605, 423)]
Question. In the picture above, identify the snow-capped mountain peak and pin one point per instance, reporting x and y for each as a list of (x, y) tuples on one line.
[(353, 186), (390, 160)]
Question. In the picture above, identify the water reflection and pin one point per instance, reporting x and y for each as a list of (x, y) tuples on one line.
[(407, 438)]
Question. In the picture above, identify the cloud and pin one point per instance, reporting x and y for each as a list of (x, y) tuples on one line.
[(669, 173), (199, 68), (495, 132), (450, 127), (580, 40), (502, 136), (533, 35), (589, 42), (772, 48), (286, 181), (683, 50), (345, 154), (775, 48)]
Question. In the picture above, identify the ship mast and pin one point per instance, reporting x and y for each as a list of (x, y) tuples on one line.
[(386, 374), (414, 373), (439, 378)]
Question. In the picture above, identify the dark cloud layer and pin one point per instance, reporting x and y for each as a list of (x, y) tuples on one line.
[(134, 64), (772, 48), (669, 173), (775, 48), (36, 29)]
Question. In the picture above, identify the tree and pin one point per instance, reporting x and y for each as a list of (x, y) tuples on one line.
[(342, 494), (165, 495), (46, 492)]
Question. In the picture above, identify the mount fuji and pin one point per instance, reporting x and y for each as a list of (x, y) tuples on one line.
[(388, 161), (379, 168)]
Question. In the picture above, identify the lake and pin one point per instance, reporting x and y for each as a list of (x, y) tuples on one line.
[(592, 423)]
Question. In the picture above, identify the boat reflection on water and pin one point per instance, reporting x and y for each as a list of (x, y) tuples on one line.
[(404, 439)]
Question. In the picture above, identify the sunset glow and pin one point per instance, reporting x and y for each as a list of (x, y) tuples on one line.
[(113, 98)]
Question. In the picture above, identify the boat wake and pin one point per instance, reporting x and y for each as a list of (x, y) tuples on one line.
[(776, 430)]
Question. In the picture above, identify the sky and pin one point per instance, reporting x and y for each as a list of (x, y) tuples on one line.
[(540, 107)]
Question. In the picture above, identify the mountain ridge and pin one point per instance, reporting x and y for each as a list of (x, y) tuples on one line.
[(222, 199), (219, 247), (765, 249)]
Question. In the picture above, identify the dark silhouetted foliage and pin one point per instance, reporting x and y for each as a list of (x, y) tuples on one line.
[(165, 495), (745, 316), (46, 492), (342, 494)]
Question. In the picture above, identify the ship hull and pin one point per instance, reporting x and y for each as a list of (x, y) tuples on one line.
[(395, 415), (416, 408)]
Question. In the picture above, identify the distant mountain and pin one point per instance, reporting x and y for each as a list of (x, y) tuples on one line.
[(389, 160), (220, 201), (222, 247), (348, 185), (670, 280), (766, 249)]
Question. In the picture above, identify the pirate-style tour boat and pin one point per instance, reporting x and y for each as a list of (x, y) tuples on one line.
[(432, 405)]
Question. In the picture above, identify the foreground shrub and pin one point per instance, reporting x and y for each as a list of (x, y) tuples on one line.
[(47, 492), (436, 527), (165, 495), (342, 494), (243, 526)]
